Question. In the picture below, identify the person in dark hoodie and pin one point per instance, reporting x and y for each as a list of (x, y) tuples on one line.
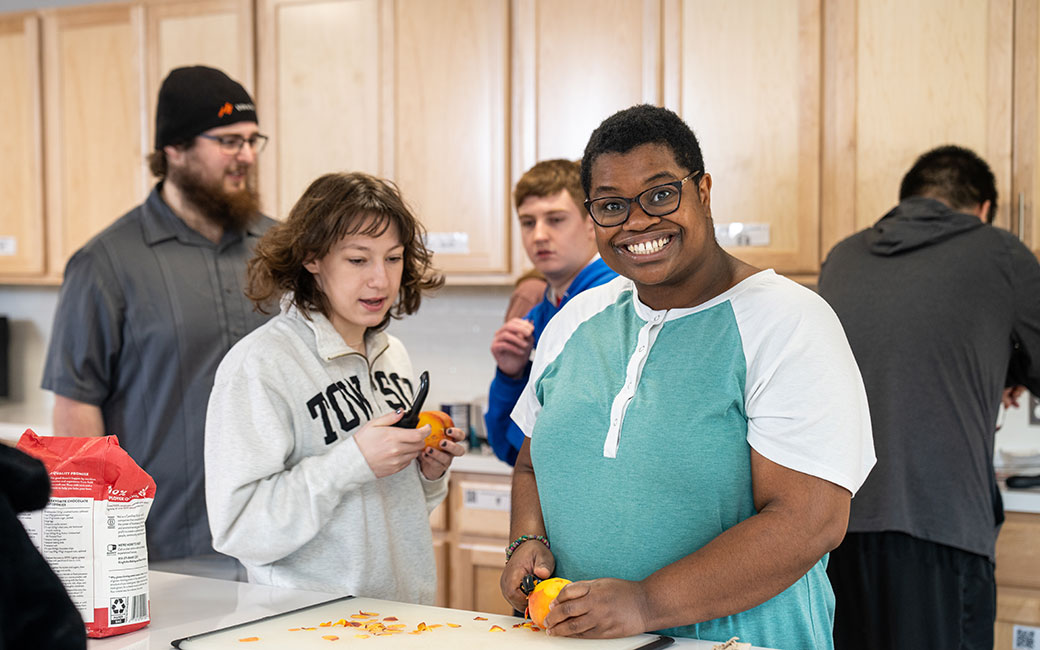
[(942, 311), (35, 609)]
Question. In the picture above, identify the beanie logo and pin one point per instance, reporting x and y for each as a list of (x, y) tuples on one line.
[(225, 109)]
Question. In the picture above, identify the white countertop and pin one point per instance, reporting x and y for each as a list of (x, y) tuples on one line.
[(1021, 500), (481, 463), (184, 605)]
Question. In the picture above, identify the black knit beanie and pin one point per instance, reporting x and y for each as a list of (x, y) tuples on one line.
[(195, 99)]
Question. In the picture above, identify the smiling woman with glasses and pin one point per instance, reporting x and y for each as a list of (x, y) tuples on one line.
[(658, 201), (725, 396)]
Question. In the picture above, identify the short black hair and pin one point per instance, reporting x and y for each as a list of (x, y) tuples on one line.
[(639, 125), (954, 175)]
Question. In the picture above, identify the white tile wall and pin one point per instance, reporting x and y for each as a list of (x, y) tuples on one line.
[(450, 337)]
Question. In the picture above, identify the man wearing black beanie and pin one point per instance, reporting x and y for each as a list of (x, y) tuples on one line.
[(150, 305)]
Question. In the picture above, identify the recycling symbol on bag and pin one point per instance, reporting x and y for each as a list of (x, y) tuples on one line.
[(118, 605)]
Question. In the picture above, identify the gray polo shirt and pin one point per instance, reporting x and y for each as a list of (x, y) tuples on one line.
[(147, 310)]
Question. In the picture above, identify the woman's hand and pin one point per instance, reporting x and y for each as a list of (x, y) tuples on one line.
[(388, 449), (530, 558), (434, 462), (607, 608)]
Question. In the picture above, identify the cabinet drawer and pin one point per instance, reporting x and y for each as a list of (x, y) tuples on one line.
[(1018, 551), (480, 505), (439, 517), (1015, 607), (476, 570)]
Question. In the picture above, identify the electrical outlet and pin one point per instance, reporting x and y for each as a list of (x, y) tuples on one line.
[(1034, 409)]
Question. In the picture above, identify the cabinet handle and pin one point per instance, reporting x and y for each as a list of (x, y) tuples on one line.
[(1021, 216)]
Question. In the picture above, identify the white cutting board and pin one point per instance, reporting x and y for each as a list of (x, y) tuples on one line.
[(274, 631)]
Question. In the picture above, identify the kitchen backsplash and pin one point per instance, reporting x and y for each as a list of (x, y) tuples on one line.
[(450, 337)]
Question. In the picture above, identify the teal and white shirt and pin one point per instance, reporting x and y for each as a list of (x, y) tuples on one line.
[(641, 424)]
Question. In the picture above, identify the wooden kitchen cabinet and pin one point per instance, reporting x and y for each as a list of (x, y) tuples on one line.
[(94, 168), (22, 253), (576, 62), (809, 111), (439, 528), (476, 534), (324, 93), (216, 33), (1024, 200), (902, 77), (413, 90), (78, 158), (476, 579), (1018, 577), (745, 75)]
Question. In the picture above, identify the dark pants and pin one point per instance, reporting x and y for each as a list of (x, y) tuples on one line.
[(895, 591)]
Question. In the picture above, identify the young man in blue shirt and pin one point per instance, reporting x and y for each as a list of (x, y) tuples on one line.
[(558, 237)]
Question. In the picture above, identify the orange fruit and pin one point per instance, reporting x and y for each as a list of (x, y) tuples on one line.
[(544, 593), (438, 421)]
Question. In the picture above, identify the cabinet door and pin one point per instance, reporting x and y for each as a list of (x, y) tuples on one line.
[(480, 504), (93, 122), (215, 33), (411, 90), (324, 93), (902, 77), (1024, 200), (476, 570), (440, 556), (578, 62), (1016, 607), (451, 65), (745, 76), (21, 174)]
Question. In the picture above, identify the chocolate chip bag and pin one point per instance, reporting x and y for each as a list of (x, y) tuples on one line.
[(92, 530)]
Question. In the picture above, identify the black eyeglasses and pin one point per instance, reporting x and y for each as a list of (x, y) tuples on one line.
[(232, 144), (610, 211)]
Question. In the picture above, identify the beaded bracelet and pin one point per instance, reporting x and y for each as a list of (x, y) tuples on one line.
[(523, 538)]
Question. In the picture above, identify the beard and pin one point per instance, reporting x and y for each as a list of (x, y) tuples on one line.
[(231, 210)]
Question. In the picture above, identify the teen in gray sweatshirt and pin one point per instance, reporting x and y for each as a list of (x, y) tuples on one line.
[(308, 482)]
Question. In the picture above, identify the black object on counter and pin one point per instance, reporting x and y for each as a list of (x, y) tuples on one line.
[(411, 418), (1023, 481), (4, 344), (35, 609)]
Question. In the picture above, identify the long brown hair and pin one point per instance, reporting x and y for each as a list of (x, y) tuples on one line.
[(334, 206)]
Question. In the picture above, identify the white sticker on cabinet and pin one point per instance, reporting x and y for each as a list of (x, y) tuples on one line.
[(742, 234), (1024, 637), (486, 499), (454, 243), (8, 246)]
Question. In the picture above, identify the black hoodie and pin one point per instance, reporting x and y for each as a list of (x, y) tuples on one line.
[(917, 222), (940, 309), (35, 610)]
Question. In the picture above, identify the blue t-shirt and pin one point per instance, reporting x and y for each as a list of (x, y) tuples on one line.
[(503, 435)]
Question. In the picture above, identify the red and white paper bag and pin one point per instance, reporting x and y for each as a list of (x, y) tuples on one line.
[(92, 530)]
